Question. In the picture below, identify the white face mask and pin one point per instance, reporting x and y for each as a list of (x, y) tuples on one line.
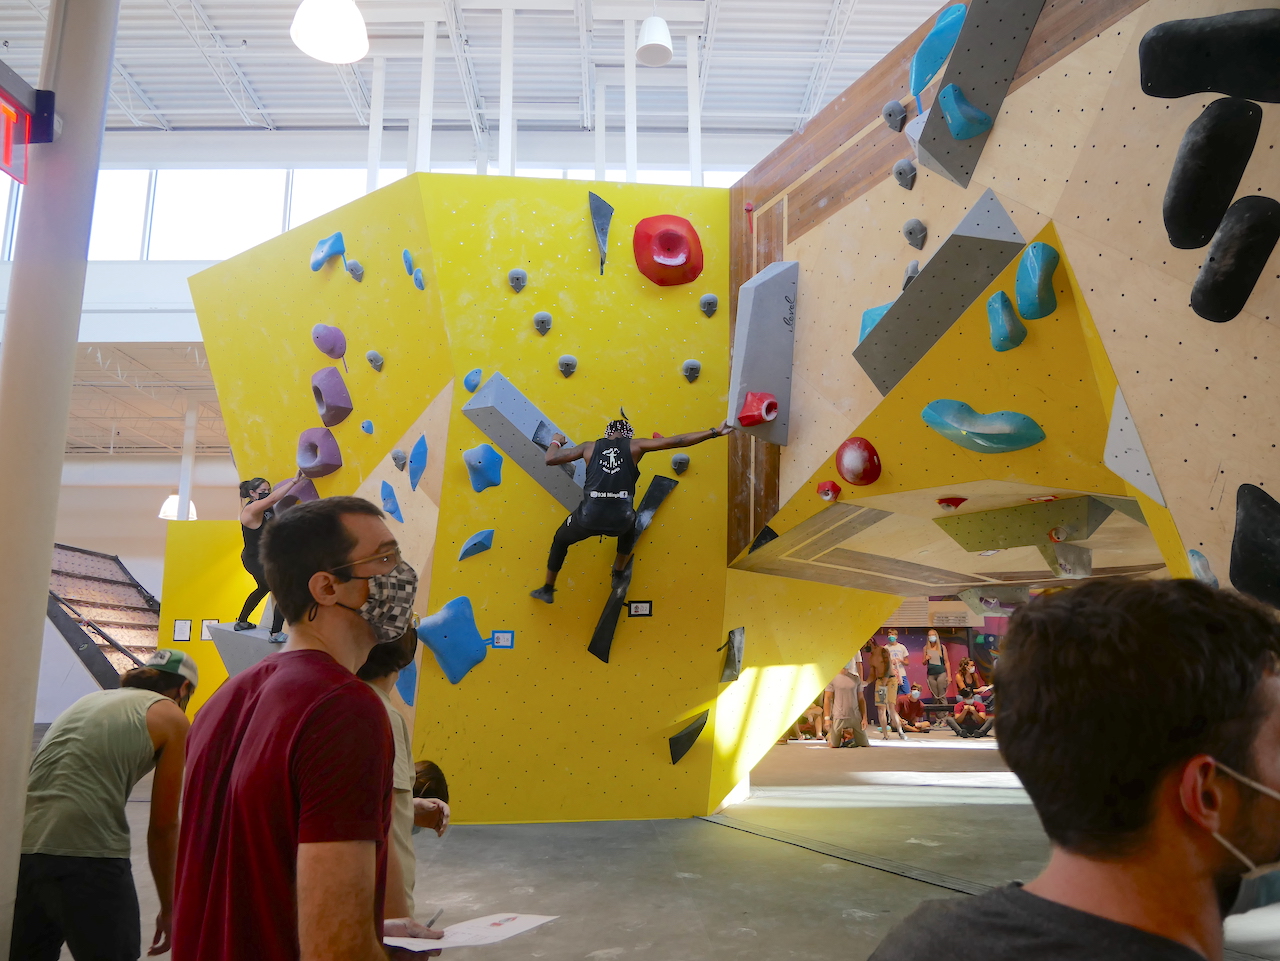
[(915, 695), (1255, 870)]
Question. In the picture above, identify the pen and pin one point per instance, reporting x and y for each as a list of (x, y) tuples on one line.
[(434, 918)]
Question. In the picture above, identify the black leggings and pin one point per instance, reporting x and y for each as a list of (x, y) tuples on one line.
[(258, 593), (572, 531)]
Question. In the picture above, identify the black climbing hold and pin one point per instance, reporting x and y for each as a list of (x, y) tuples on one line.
[(680, 463), (895, 115), (910, 274), (904, 171), (601, 216), (1233, 53), (733, 655), (1239, 252), (691, 369), (542, 322), (709, 303), (654, 495), (916, 233), (682, 742), (1207, 171), (766, 535), (1255, 548)]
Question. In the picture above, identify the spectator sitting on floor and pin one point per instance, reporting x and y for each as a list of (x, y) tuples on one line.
[(970, 716), (911, 712)]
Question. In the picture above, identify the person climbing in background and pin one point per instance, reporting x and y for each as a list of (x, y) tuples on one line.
[(937, 666), (608, 508), (255, 516)]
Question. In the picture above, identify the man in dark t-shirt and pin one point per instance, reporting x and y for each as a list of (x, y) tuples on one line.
[(608, 496), (1151, 832)]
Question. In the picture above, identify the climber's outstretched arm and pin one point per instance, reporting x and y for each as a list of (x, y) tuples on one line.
[(640, 445), (558, 454)]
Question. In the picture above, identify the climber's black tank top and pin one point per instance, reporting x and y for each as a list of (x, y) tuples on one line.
[(252, 537), (608, 502)]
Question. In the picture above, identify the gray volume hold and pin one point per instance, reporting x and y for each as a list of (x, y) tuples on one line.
[(764, 346), (542, 322)]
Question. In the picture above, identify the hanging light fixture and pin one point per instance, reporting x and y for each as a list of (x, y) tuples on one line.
[(653, 47), (330, 30), (169, 510)]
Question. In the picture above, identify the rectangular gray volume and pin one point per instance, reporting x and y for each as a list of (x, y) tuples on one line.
[(764, 344), (521, 431)]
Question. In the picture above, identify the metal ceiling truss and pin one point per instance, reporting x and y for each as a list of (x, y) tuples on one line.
[(466, 73), (216, 54), (842, 12)]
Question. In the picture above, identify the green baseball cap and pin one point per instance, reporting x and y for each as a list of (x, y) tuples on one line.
[(175, 662)]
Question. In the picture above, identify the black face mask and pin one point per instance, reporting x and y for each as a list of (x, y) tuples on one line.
[(261, 495)]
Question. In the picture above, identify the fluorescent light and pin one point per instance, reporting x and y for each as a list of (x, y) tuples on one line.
[(332, 31), (653, 47), (169, 510)]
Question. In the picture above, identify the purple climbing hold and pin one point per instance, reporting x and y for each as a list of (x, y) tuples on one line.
[(333, 400), (318, 454), (330, 341)]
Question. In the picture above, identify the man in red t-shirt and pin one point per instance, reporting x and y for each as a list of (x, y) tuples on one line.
[(970, 716), (912, 713), (287, 800)]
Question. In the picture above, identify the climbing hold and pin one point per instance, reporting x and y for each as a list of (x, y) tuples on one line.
[(318, 454), (1034, 284), (1231, 53), (895, 115), (871, 317), (390, 505), (601, 216), (732, 655), (299, 493), (331, 246), (829, 491), (418, 280), (997, 433), (567, 364), (757, 408), (451, 635), (857, 462), (964, 120), (375, 360), (914, 130), (910, 274), (708, 304), (399, 459), (517, 278), (407, 682), (904, 171), (681, 742), (472, 380), (331, 341), (417, 461), (667, 250), (408, 262), (1206, 173), (951, 503), (916, 233), (1236, 257), (333, 400), (477, 543), (691, 369), (1007, 331), (1255, 547), (679, 463), (1200, 568), (355, 270), (542, 322), (935, 48), (366, 426), (484, 464)]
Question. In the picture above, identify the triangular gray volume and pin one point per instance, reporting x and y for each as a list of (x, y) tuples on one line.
[(682, 742), (601, 217), (1124, 454), (929, 160), (733, 655), (988, 220)]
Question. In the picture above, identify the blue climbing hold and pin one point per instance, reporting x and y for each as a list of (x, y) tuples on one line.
[(418, 280), (997, 433), (417, 461), (472, 380), (1200, 568), (452, 636), (1007, 331), (329, 247), (477, 543), (366, 426), (935, 48), (407, 682), (484, 464), (408, 263), (964, 120), (1034, 283), (389, 503), (872, 317)]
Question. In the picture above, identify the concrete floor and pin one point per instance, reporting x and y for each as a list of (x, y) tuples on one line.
[(692, 890)]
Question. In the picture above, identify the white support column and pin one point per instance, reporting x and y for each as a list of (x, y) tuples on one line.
[(37, 362), (602, 129), (188, 457), (411, 146), (695, 111), (426, 99), (629, 76), (377, 107), (506, 96)]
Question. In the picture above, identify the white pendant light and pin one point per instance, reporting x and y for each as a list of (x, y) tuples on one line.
[(653, 47), (169, 510), (330, 30)]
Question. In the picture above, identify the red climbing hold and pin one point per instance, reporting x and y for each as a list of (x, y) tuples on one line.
[(667, 250), (758, 408), (858, 462), (951, 503), (829, 490)]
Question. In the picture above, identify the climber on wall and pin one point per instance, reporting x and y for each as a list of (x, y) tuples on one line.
[(607, 508)]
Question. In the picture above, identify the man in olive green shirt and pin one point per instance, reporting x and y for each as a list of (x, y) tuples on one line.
[(75, 883)]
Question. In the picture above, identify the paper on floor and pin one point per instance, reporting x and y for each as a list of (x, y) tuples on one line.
[(487, 930)]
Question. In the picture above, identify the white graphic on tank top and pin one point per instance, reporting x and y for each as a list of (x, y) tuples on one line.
[(612, 462)]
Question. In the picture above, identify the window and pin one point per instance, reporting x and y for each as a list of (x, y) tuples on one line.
[(215, 214), (119, 215), (316, 192)]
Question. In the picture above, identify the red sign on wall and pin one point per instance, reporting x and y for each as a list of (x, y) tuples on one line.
[(15, 135)]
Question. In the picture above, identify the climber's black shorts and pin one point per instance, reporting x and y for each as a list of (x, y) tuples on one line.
[(572, 531)]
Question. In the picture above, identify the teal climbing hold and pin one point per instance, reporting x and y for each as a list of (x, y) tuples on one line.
[(418, 280), (477, 543), (997, 433), (366, 426), (452, 636), (331, 246), (935, 48), (408, 263), (1200, 568), (407, 682), (1007, 331), (472, 380), (484, 464), (964, 120), (1034, 283), (872, 317), (390, 505), (417, 461)]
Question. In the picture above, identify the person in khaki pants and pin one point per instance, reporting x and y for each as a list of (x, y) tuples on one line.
[(845, 712)]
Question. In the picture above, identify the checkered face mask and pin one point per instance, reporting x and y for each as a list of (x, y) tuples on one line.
[(389, 609)]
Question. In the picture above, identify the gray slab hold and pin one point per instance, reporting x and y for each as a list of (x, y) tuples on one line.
[(904, 171), (522, 432), (764, 344), (982, 64), (1124, 454), (916, 233), (240, 650), (985, 242)]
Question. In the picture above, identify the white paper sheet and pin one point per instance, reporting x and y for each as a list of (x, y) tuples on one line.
[(486, 930)]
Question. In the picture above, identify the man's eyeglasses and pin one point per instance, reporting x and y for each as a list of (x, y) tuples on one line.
[(388, 559)]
